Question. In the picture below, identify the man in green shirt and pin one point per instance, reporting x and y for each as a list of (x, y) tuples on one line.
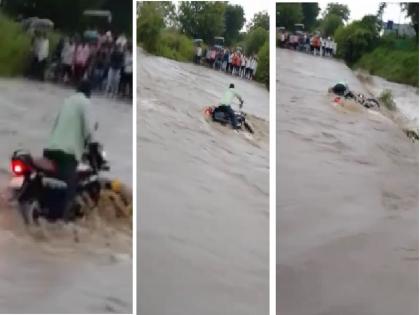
[(226, 101), (70, 134)]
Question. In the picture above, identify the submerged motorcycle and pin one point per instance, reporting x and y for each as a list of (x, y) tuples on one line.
[(223, 118), (368, 102), (35, 180)]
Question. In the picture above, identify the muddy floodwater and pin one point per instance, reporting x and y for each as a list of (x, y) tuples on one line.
[(49, 270), (347, 198), (203, 195)]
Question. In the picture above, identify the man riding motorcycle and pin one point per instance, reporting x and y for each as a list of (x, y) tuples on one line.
[(66, 144), (225, 104)]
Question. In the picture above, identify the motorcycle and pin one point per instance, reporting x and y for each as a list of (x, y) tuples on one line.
[(35, 180), (367, 102), (223, 118)]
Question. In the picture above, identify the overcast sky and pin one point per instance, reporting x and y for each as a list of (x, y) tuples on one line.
[(358, 10), (251, 7)]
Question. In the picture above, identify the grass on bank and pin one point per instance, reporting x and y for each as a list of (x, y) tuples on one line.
[(15, 47), (386, 98), (396, 60), (396, 66), (174, 45)]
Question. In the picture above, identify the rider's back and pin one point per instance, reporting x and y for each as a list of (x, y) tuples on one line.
[(71, 127)]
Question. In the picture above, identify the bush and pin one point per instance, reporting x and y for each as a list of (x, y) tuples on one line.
[(393, 65), (149, 26), (387, 100), (254, 40), (175, 46), (14, 47), (356, 39), (263, 69)]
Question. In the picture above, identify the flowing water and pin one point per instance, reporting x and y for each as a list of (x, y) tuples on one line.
[(203, 195), (347, 198), (48, 270)]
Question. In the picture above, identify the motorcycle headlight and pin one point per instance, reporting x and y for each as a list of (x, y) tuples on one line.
[(104, 154)]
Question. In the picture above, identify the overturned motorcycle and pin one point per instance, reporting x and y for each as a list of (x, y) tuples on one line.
[(223, 118), (34, 181)]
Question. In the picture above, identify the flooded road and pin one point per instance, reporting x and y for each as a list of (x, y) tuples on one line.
[(406, 99), (51, 272), (347, 199), (203, 195)]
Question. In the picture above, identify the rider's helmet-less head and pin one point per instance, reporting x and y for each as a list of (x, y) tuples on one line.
[(231, 86), (85, 88)]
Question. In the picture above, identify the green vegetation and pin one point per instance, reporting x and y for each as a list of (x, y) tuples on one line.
[(387, 100), (263, 70), (67, 15), (175, 46), (393, 58), (165, 31), (392, 63), (14, 47)]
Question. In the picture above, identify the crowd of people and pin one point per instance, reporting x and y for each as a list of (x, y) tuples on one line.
[(106, 61), (230, 61), (309, 43)]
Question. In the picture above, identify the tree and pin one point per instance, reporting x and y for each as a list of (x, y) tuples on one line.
[(381, 10), (149, 25), (338, 9), (356, 39), (260, 19), (288, 14), (263, 69), (330, 24), (310, 11), (122, 12), (202, 19), (412, 10), (67, 15), (255, 40), (234, 21)]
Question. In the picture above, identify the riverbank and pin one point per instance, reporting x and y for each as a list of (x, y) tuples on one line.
[(394, 60), (14, 47)]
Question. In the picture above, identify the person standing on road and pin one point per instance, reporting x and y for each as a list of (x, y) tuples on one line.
[(254, 66), (41, 49), (81, 58), (114, 71), (248, 68), (243, 65), (67, 56), (126, 85)]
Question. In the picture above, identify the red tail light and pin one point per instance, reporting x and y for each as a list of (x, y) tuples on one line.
[(19, 168)]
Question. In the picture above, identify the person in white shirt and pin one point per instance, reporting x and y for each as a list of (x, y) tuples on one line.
[(41, 49), (67, 57), (126, 82), (248, 70), (243, 65), (121, 40), (254, 66)]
